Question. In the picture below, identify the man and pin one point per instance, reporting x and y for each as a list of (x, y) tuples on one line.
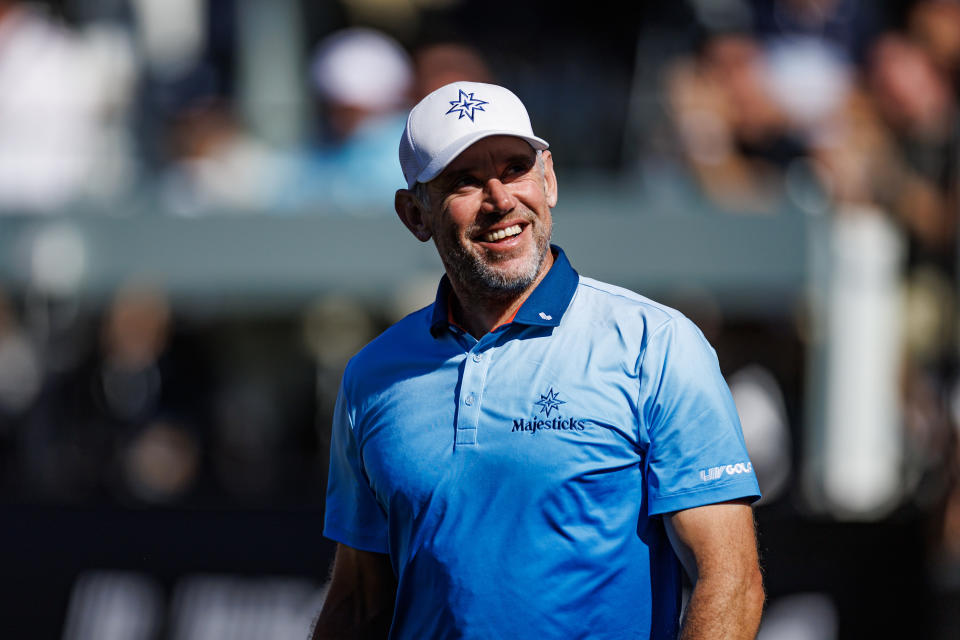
[(529, 456)]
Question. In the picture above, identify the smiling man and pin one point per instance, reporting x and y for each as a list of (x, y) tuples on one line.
[(536, 454)]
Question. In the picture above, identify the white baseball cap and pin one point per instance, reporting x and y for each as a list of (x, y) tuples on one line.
[(452, 118)]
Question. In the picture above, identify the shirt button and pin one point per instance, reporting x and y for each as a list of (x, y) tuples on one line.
[(477, 357), (469, 400)]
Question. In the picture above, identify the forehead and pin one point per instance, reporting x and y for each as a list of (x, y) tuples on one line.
[(492, 150)]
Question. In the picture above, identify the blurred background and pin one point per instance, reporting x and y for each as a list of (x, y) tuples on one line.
[(197, 232)]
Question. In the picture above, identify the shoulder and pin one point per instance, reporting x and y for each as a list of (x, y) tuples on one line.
[(602, 300), (407, 336), (634, 323)]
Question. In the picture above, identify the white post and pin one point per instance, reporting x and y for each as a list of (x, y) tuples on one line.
[(856, 432), (272, 77)]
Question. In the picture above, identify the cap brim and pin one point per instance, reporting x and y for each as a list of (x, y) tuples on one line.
[(455, 148)]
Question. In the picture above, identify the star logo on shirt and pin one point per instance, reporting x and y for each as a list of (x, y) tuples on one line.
[(466, 105), (549, 402)]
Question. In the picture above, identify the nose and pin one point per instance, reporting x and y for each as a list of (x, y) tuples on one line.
[(497, 198)]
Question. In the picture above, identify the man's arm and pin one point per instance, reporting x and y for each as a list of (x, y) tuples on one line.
[(359, 602), (717, 545)]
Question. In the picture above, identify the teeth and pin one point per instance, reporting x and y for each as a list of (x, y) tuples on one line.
[(493, 236)]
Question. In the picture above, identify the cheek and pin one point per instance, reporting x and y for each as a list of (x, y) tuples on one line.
[(459, 216), (535, 196), (546, 226), (447, 232)]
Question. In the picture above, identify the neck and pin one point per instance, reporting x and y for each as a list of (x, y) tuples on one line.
[(480, 314)]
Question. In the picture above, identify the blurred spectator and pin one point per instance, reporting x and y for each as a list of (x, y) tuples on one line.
[(734, 135), (809, 80), (935, 26), (363, 80), (136, 390), (811, 46), (440, 64), (63, 102), (846, 27), (128, 420), (853, 154), (917, 103), (217, 166)]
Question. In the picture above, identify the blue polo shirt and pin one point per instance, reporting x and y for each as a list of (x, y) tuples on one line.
[(517, 481)]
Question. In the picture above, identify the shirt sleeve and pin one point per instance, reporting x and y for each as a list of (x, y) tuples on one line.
[(353, 516), (696, 454)]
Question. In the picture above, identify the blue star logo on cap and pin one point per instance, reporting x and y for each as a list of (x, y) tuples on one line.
[(466, 105), (549, 402)]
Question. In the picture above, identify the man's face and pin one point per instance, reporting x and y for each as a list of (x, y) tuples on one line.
[(489, 216)]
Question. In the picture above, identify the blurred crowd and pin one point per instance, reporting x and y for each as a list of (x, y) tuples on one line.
[(836, 110), (818, 91), (140, 100), (145, 104), (124, 406), (845, 110)]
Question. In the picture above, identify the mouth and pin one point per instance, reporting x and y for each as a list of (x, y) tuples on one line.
[(500, 235)]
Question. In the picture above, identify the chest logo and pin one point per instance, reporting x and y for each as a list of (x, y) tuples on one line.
[(549, 403)]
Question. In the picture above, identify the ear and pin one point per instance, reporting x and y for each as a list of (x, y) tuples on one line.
[(412, 214), (549, 179)]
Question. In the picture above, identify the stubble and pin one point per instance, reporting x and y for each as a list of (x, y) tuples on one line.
[(478, 272)]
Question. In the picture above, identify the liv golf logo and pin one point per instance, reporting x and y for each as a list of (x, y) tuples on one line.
[(715, 473), (548, 404)]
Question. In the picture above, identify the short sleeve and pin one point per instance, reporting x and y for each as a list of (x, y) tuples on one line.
[(353, 515), (696, 454)]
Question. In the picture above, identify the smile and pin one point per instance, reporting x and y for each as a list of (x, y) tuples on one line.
[(500, 234)]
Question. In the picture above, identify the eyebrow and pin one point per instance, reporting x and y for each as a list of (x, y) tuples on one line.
[(450, 178), (526, 159), (529, 159)]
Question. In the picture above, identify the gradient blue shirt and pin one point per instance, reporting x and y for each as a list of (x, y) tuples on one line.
[(518, 481)]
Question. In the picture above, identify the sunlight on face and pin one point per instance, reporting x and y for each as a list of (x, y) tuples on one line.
[(491, 221)]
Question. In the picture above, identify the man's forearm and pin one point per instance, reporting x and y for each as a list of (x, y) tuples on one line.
[(345, 617), (724, 609), (360, 599)]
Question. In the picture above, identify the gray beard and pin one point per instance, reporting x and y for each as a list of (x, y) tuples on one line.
[(482, 281)]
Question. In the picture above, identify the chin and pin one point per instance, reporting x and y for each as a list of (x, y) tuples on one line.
[(497, 274), (509, 278)]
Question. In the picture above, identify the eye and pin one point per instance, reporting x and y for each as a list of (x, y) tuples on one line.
[(517, 168), (465, 180)]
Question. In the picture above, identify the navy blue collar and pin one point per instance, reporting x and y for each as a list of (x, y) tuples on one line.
[(544, 306)]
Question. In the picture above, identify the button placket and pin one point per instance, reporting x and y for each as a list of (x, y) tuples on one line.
[(471, 394)]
